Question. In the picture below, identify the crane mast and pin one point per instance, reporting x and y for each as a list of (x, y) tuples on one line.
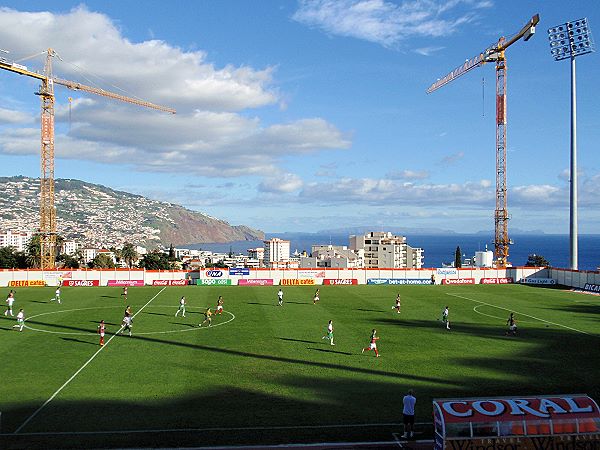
[(495, 53), (46, 92)]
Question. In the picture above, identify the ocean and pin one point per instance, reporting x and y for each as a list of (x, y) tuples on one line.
[(440, 249)]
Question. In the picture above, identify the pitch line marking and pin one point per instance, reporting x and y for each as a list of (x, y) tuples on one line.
[(523, 314), (476, 309), (68, 333), (197, 430), (66, 383)]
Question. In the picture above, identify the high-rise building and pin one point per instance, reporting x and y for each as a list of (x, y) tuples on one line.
[(385, 250), (277, 253), (15, 239)]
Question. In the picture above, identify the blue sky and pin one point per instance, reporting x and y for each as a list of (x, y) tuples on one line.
[(310, 115)]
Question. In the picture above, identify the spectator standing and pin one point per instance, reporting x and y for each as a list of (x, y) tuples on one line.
[(408, 414)]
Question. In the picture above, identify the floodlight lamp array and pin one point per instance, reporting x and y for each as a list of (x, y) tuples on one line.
[(570, 39)]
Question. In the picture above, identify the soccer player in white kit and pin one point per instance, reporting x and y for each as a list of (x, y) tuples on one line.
[(280, 298), (20, 320), (181, 307), (445, 318), (10, 299), (56, 295), (329, 334)]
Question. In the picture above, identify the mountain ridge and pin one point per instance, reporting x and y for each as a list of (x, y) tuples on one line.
[(95, 214)]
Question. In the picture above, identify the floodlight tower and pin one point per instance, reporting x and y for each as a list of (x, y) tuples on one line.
[(569, 40)]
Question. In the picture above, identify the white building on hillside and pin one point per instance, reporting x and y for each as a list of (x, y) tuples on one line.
[(334, 256), (277, 253), (15, 239), (384, 250)]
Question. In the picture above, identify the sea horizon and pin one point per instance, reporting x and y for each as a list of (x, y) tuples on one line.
[(440, 248)]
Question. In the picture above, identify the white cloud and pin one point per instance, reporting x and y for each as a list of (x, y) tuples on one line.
[(453, 158), (408, 175), (428, 51), (213, 133), (281, 183), (10, 116), (384, 22)]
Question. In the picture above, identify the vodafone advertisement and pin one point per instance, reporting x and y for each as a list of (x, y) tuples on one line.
[(458, 281), (169, 283), (256, 282), (125, 283), (496, 281), (342, 282), (81, 283)]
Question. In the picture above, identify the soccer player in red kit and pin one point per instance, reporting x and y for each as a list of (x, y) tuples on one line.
[(101, 331), (373, 345)]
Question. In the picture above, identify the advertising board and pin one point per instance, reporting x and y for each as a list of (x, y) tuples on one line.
[(341, 281), (447, 271), (311, 274), (81, 283), (591, 287), (297, 282), (458, 281), (125, 283), (239, 271), (26, 283), (256, 282), (399, 281), (169, 282), (537, 281), (213, 282), (496, 281), (214, 273)]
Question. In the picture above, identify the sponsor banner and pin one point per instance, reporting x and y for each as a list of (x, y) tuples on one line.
[(458, 281), (214, 273), (509, 409), (56, 278), (125, 283), (256, 282), (564, 441), (311, 274), (81, 283), (169, 282), (496, 280), (537, 281), (343, 281), (26, 283), (447, 271), (213, 282), (297, 282), (239, 271), (397, 281), (591, 287)]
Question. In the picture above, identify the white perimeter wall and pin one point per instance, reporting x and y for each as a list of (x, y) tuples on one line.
[(565, 277)]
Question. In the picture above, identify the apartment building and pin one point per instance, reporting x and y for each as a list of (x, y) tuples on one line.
[(15, 239), (385, 250), (277, 253)]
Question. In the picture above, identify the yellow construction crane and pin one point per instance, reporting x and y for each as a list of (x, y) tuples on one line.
[(495, 53), (46, 93)]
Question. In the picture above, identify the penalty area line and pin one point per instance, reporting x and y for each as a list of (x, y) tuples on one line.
[(66, 383), (520, 313)]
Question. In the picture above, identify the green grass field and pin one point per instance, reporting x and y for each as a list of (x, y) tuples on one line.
[(262, 374)]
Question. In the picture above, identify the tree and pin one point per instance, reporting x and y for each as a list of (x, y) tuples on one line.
[(68, 261), (129, 254), (458, 258), (7, 258), (102, 261), (155, 260), (171, 253), (34, 252), (534, 260)]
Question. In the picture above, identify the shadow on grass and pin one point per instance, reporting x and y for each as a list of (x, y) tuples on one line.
[(368, 310), (156, 314), (326, 350), (80, 341), (262, 304), (297, 340)]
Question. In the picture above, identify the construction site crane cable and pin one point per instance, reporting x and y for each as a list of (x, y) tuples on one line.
[(48, 228), (495, 53)]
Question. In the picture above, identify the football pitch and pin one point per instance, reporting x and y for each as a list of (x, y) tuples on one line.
[(263, 374)]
